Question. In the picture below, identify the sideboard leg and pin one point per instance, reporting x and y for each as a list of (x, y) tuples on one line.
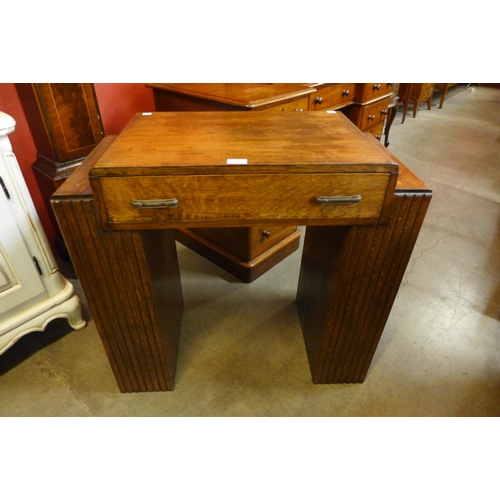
[(131, 281), (348, 282)]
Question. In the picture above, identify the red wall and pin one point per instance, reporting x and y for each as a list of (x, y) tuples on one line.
[(118, 102)]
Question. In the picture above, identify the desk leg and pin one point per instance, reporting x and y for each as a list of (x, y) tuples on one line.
[(348, 282), (131, 281)]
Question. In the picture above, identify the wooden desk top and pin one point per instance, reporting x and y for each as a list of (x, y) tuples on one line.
[(78, 185), (167, 143), (243, 95)]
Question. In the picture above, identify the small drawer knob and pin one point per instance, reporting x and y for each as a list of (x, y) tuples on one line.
[(299, 109), (385, 112), (345, 92), (378, 136), (376, 86), (266, 234), (371, 117), (318, 100)]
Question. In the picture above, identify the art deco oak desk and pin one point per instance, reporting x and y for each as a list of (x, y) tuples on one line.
[(118, 213)]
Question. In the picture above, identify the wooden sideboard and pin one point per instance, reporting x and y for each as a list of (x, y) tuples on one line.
[(362, 207), (248, 252)]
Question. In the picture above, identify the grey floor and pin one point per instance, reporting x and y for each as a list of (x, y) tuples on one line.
[(241, 350)]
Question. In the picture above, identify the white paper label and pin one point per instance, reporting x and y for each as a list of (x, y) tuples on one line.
[(236, 161)]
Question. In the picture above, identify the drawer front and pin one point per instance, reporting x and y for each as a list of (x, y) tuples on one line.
[(239, 200), (297, 105), (375, 113), (336, 96), (366, 92), (377, 130), (246, 243), (262, 238)]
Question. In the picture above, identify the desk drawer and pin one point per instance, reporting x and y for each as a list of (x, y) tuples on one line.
[(335, 96), (239, 200)]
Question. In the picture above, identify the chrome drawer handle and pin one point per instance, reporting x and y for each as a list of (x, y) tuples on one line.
[(168, 203), (338, 200)]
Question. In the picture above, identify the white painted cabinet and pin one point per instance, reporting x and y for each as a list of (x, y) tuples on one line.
[(32, 290)]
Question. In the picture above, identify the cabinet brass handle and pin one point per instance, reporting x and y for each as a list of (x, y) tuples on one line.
[(167, 203), (338, 200)]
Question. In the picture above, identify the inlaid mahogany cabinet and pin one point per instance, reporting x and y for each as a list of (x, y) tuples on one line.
[(66, 125), (362, 207)]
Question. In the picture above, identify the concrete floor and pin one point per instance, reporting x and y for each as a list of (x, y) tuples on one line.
[(241, 350)]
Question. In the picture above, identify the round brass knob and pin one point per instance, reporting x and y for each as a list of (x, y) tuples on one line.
[(318, 100)]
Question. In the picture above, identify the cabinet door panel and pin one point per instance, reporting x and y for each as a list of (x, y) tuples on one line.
[(19, 278)]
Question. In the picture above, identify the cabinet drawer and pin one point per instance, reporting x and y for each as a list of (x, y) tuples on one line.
[(366, 117), (375, 113), (246, 243), (263, 238), (366, 92), (335, 96), (238, 200), (377, 130)]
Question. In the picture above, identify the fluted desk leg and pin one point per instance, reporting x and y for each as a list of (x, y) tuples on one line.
[(348, 282), (132, 284)]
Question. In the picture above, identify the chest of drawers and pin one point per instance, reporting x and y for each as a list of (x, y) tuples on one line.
[(370, 107)]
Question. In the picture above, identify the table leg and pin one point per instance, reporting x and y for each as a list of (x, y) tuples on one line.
[(131, 281), (393, 110), (348, 282)]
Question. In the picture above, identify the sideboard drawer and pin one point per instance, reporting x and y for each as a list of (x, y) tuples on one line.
[(375, 113), (367, 116), (377, 130), (334, 96), (366, 92), (235, 200)]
